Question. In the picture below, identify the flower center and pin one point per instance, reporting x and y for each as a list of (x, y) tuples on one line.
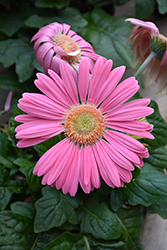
[(84, 124), (70, 46)]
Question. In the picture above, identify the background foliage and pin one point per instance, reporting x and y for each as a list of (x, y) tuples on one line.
[(39, 217)]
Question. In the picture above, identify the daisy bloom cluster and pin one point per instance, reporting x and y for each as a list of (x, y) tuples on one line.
[(145, 39), (56, 42), (97, 122)]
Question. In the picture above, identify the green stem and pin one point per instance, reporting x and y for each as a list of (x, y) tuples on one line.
[(86, 242), (145, 63)]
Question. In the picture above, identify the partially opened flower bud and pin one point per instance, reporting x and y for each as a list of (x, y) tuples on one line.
[(146, 39), (56, 42)]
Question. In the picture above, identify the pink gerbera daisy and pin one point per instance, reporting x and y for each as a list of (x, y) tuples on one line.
[(97, 123), (146, 38), (56, 42)]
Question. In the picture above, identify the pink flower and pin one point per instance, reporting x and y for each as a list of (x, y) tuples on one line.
[(56, 42), (145, 38), (94, 117)]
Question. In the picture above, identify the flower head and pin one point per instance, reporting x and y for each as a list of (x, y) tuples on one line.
[(145, 38), (56, 42), (97, 123)]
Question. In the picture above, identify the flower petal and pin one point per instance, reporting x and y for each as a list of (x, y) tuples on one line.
[(109, 85), (69, 82), (99, 76), (122, 93), (83, 79)]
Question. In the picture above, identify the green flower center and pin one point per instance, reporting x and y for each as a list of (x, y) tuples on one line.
[(84, 124)]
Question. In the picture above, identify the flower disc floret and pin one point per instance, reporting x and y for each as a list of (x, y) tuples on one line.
[(70, 46), (84, 124)]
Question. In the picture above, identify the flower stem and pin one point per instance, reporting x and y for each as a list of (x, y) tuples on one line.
[(145, 63), (86, 243)]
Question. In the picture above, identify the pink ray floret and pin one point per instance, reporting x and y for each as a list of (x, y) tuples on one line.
[(141, 37), (99, 126), (56, 42)]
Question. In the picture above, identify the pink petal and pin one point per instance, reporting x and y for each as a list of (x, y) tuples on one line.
[(40, 40), (95, 74), (129, 154), (48, 160), (124, 113), (65, 28), (24, 143), (24, 118), (109, 85), (118, 158), (122, 93), (83, 79), (132, 128), (108, 165), (126, 141), (42, 51), (38, 128), (164, 60), (99, 76), (125, 175), (47, 60), (71, 183), (54, 89), (69, 82), (58, 50), (41, 106), (138, 22), (55, 64), (102, 170)]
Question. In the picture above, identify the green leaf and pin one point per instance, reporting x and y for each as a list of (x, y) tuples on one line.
[(98, 220), (131, 221), (73, 17), (51, 3), (159, 207), (10, 22), (159, 131), (23, 208), (43, 239), (6, 158), (8, 186), (5, 3), (147, 188), (53, 209), (36, 21), (9, 81), (96, 245), (158, 158), (144, 8), (26, 167), (117, 198), (16, 231), (108, 36), (162, 6), (20, 52), (67, 241)]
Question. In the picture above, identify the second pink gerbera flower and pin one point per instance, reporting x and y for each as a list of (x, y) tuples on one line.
[(96, 120), (56, 42)]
